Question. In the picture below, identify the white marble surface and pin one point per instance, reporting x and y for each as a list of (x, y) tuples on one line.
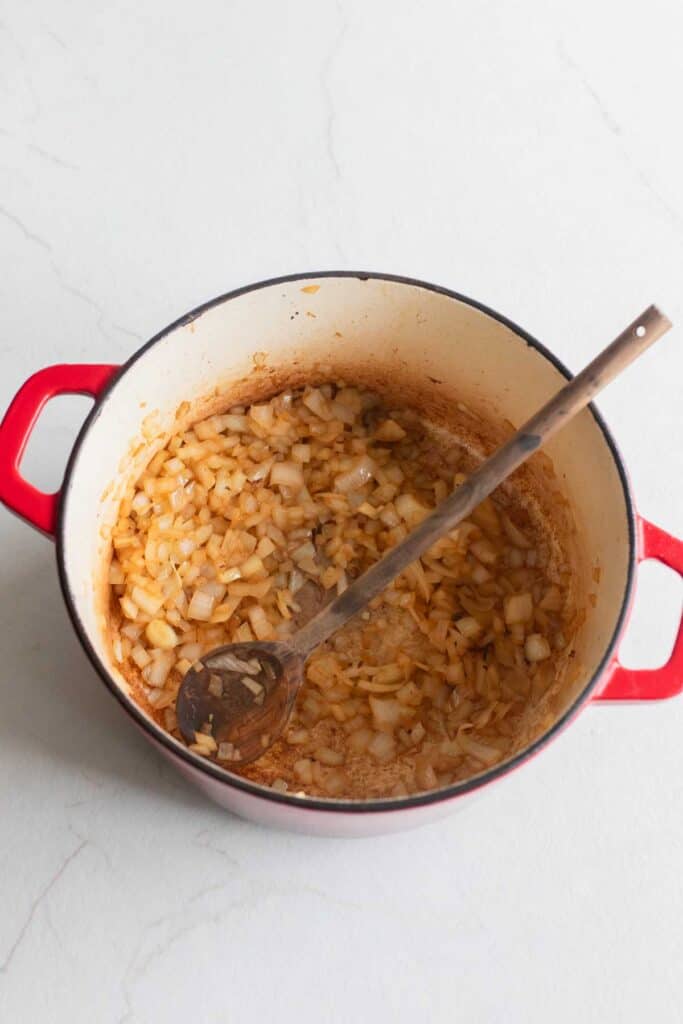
[(153, 155)]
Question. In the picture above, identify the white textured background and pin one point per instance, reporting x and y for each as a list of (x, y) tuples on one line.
[(155, 154)]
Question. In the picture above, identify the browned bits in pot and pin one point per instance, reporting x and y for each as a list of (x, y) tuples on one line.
[(242, 526)]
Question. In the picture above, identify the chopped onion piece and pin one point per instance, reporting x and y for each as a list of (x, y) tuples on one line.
[(247, 589), (387, 713), (263, 415), (484, 551), (304, 552), (390, 430), (227, 752), (287, 474), (252, 685), (149, 603), (318, 404), (192, 652), (132, 630), (261, 471), (303, 769), (296, 737), (116, 574), (160, 634), (140, 656), (236, 424), (159, 668), (357, 476), (328, 756), (410, 509), (475, 748), (518, 608), (301, 452), (232, 663), (469, 627), (536, 647), (253, 567), (259, 622), (382, 747), (201, 606)]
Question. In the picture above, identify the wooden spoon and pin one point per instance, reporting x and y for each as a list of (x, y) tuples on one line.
[(245, 692)]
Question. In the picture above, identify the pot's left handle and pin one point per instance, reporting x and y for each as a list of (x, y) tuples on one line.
[(36, 507)]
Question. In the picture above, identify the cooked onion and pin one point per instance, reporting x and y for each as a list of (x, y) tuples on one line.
[(160, 634), (382, 747), (390, 430), (359, 474), (287, 474), (536, 647), (240, 516), (201, 606), (518, 608), (476, 748)]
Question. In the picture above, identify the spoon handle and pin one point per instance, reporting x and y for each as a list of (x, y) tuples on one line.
[(568, 401)]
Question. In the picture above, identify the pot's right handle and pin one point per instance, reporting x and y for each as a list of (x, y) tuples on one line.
[(651, 683), (36, 507)]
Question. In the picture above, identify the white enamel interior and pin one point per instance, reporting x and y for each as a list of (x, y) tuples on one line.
[(401, 329)]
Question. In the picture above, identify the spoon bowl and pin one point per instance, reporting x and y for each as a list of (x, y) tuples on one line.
[(242, 696)]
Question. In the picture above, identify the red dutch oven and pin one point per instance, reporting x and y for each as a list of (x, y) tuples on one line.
[(404, 329)]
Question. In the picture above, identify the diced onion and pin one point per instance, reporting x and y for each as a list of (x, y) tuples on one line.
[(140, 656), (303, 769), (518, 608), (387, 713), (244, 523), (201, 606), (263, 415), (252, 568), (116, 574), (476, 748), (410, 509), (236, 424), (259, 622), (328, 756), (536, 647), (150, 603), (287, 474), (382, 747), (160, 634), (301, 452), (318, 404), (159, 668), (359, 474), (390, 430), (469, 627), (192, 652)]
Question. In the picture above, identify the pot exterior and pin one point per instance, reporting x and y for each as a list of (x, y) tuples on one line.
[(294, 816)]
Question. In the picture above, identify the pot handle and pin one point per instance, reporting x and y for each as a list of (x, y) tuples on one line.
[(36, 507), (651, 683)]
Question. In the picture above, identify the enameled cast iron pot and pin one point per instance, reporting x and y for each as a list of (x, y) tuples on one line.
[(403, 327)]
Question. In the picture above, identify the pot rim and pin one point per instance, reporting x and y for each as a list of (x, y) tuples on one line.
[(317, 803)]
